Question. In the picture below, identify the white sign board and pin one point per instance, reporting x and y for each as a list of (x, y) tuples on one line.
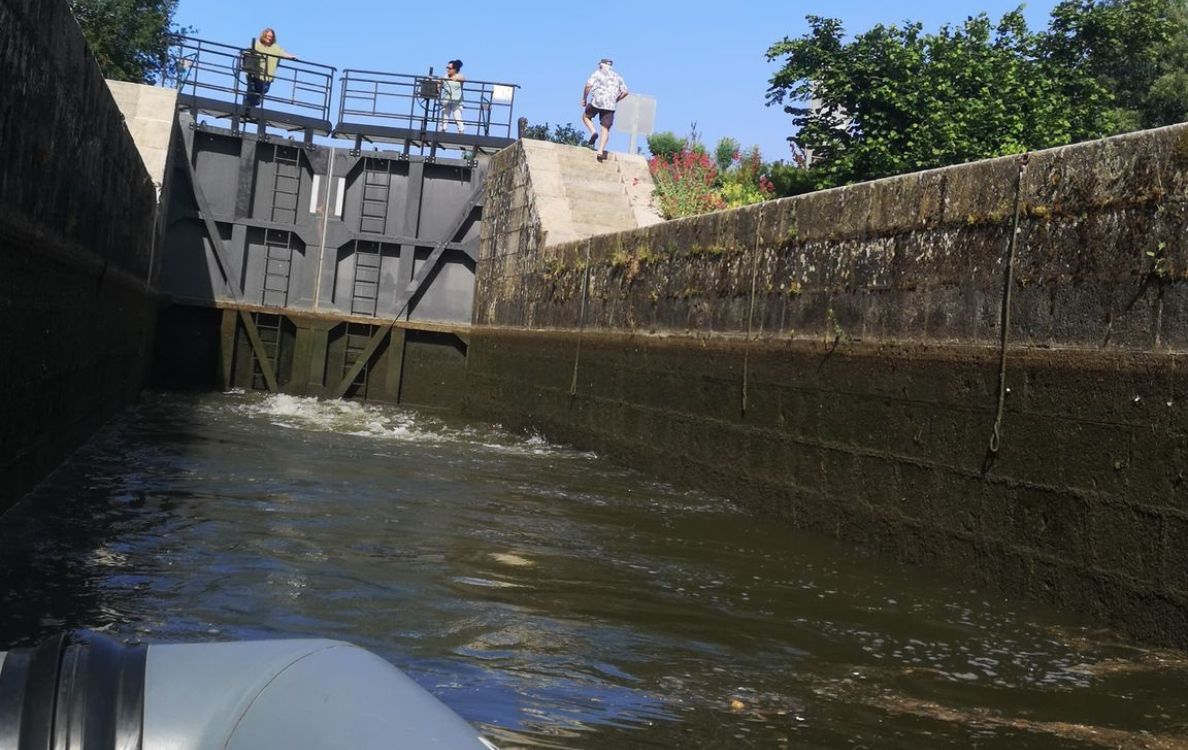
[(636, 115)]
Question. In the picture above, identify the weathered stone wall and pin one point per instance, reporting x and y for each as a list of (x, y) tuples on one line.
[(76, 234), (833, 359)]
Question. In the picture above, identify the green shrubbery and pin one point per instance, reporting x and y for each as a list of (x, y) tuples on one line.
[(568, 134), (689, 182)]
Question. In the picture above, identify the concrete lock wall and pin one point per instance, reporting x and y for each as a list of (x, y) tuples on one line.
[(76, 233), (834, 359)]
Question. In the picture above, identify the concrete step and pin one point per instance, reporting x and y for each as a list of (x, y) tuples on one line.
[(590, 203), (593, 230), (605, 218), (609, 183), (575, 153), (578, 196), (600, 186), (584, 201)]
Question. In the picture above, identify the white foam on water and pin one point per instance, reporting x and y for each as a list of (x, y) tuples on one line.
[(388, 423)]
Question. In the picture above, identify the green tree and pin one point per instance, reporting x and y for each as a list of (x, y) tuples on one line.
[(726, 152), (567, 134), (791, 179), (1165, 100), (1123, 46), (129, 38), (665, 144), (896, 99)]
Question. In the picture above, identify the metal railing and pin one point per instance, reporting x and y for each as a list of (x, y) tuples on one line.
[(414, 102), (209, 72)]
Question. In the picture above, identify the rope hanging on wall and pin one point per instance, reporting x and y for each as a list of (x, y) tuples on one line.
[(1005, 320), (577, 356), (751, 310)]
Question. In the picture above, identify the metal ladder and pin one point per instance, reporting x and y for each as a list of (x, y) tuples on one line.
[(278, 267), (365, 290), (358, 336), (377, 184), (269, 327), (286, 184)]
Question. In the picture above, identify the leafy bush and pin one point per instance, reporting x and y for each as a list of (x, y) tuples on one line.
[(685, 184), (567, 134), (665, 145), (794, 179), (726, 152), (744, 181)]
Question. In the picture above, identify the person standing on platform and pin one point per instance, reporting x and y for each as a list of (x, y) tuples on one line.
[(263, 73), (450, 96), (604, 90)]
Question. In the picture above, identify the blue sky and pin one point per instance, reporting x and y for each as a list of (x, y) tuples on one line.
[(703, 63)]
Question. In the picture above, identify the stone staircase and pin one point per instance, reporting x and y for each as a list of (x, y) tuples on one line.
[(577, 196)]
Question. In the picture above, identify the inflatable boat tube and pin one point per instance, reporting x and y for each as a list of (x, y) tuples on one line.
[(85, 691)]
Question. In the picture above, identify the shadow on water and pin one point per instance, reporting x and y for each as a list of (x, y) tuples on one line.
[(68, 547)]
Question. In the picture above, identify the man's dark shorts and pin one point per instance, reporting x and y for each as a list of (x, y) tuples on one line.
[(605, 116)]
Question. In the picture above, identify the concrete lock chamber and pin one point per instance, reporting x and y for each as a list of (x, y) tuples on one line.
[(85, 691)]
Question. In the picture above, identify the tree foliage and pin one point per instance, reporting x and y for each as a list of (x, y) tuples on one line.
[(1166, 99), (896, 99), (726, 152), (567, 134), (129, 38), (665, 144)]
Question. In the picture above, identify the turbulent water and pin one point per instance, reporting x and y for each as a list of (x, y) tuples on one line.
[(553, 599)]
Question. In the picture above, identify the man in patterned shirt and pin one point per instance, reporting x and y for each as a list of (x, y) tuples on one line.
[(603, 91)]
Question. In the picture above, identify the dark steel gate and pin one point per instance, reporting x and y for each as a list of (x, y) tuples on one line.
[(326, 261)]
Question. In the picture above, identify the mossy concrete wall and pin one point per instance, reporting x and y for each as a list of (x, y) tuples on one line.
[(76, 233), (833, 359)]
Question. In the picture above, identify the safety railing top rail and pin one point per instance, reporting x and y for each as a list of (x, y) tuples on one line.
[(210, 71), (417, 102)]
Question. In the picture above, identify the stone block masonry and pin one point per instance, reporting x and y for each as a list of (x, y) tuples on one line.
[(833, 359), (76, 235)]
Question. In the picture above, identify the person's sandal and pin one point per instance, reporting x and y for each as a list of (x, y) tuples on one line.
[(602, 156), (593, 139)]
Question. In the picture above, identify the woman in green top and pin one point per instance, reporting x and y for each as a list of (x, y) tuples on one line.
[(270, 54), (450, 96)]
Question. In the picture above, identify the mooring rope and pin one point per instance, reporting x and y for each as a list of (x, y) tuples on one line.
[(751, 311), (1005, 318), (577, 356)]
